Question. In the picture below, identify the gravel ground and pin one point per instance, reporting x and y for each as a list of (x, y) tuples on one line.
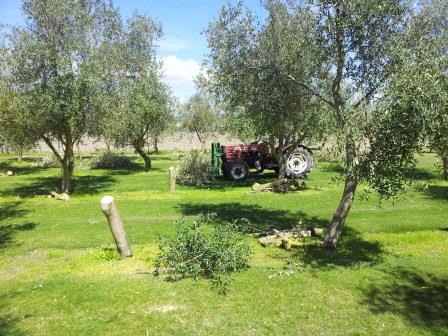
[(176, 141)]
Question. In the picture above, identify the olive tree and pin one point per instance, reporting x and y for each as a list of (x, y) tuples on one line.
[(13, 132), (146, 108), (13, 126), (357, 50), (199, 117), (341, 57), (381, 90), (250, 67), (54, 68), (437, 126), (139, 101), (434, 60)]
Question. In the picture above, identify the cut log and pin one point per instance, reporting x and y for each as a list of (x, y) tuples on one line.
[(62, 197), (287, 239), (281, 185), (317, 231), (269, 241), (116, 226)]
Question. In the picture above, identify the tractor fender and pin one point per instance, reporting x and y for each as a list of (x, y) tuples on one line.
[(298, 146)]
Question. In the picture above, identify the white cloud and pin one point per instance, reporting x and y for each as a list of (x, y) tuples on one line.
[(171, 44), (180, 73)]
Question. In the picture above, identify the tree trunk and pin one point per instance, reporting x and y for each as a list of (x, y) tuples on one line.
[(445, 167), (67, 163), (156, 146), (145, 157), (280, 157), (351, 182), (201, 140), (20, 155), (68, 166), (282, 166), (341, 213)]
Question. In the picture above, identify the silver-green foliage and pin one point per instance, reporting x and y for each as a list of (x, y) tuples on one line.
[(195, 253), (49, 161), (140, 104), (14, 134), (55, 69), (253, 65), (414, 109), (199, 117), (195, 169)]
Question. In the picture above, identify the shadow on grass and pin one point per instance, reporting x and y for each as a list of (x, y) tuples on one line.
[(221, 183), (19, 170), (82, 185), (437, 192), (260, 219), (8, 326), (11, 210), (156, 157), (421, 298), (352, 250), (412, 174), (421, 174), (129, 171), (7, 231), (8, 322)]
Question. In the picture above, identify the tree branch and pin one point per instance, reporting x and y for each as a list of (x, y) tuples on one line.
[(53, 149), (310, 90), (369, 94)]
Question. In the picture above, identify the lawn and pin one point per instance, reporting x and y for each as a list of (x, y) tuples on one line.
[(389, 275)]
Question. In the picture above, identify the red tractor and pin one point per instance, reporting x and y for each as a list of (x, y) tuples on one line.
[(235, 161)]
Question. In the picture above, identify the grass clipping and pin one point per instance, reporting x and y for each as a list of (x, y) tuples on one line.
[(194, 253)]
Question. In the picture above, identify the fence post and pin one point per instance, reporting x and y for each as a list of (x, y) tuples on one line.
[(172, 178)]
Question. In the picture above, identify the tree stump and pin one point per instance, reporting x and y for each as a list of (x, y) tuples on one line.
[(172, 179), (116, 226)]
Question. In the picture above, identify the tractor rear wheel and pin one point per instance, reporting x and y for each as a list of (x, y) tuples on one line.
[(238, 171), (299, 163)]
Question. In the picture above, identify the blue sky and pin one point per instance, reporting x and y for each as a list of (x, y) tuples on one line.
[(182, 48)]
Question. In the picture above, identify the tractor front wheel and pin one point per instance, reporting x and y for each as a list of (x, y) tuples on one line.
[(238, 171)]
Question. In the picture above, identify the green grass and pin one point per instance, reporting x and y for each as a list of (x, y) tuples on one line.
[(59, 277)]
